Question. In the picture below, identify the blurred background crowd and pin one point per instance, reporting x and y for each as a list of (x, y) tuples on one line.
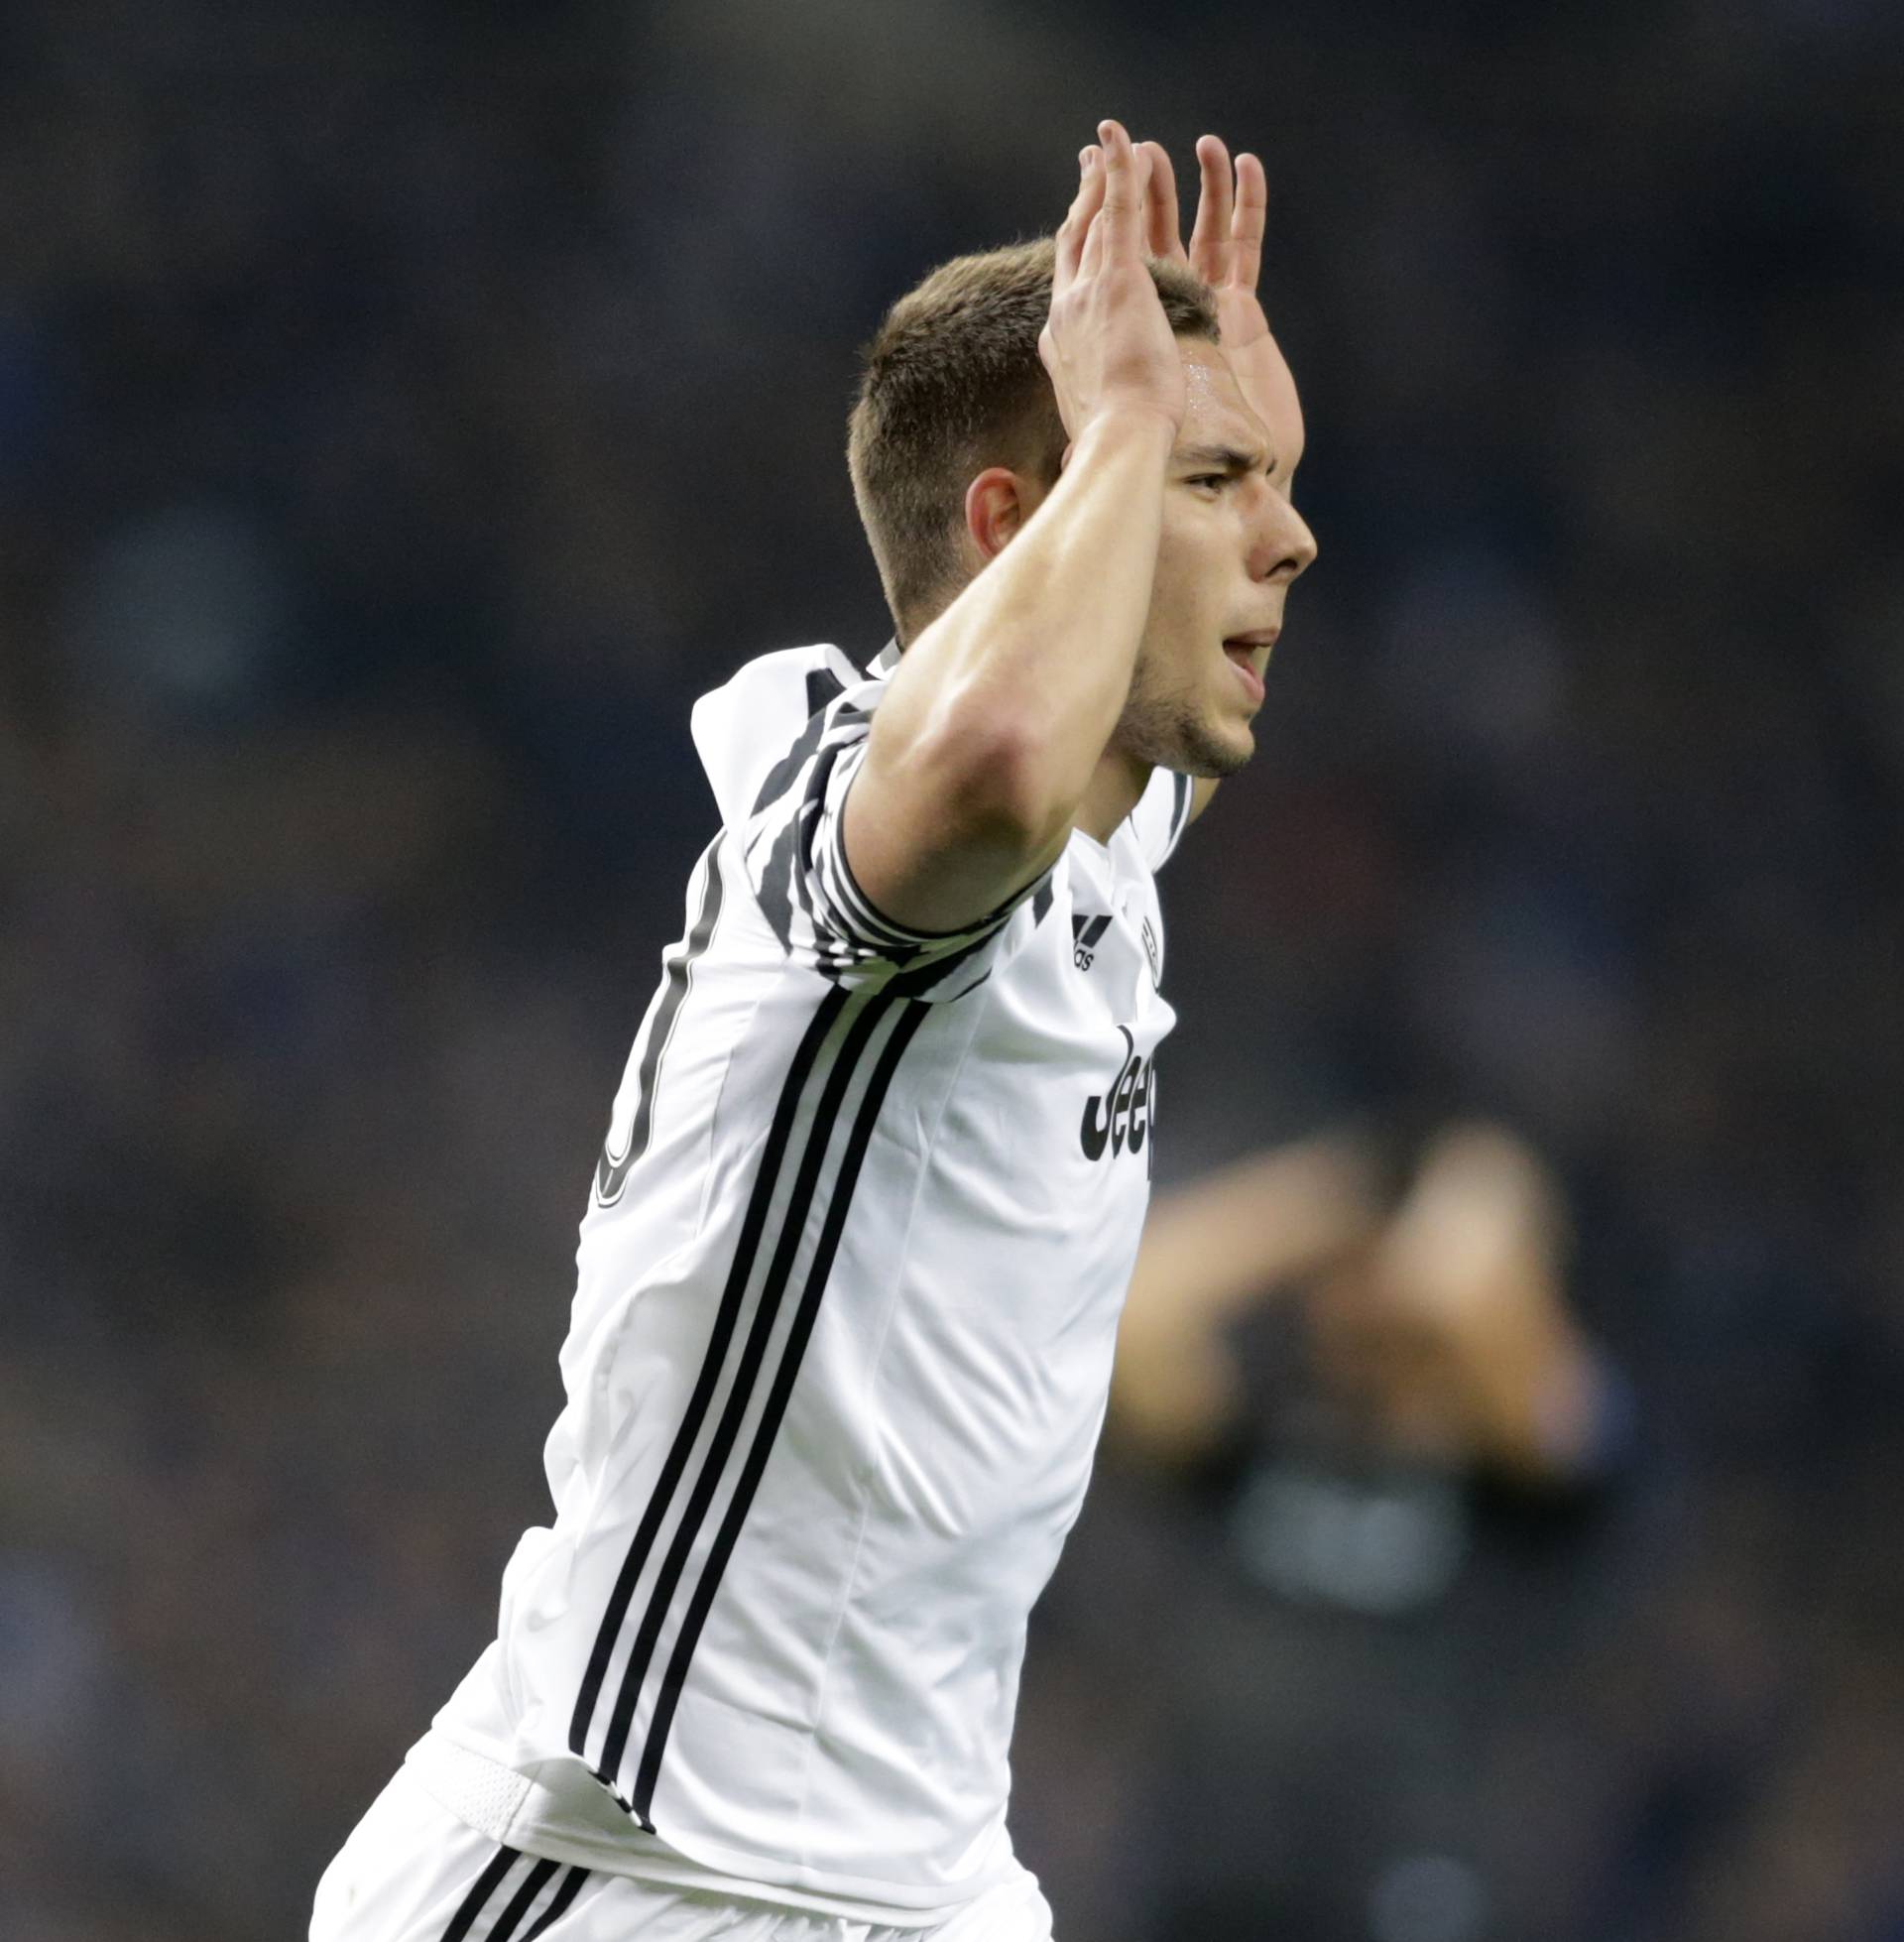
[(407, 409)]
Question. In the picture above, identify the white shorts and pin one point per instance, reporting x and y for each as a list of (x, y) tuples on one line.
[(411, 1871)]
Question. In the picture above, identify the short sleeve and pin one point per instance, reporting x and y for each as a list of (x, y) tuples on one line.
[(1161, 816), (796, 860)]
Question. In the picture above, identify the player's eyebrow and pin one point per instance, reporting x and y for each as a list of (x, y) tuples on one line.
[(1222, 458)]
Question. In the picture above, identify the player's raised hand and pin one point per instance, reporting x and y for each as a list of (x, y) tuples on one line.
[(1226, 249), (1108, 343)]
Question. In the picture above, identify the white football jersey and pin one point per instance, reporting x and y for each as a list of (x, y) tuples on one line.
[(849, 1287)]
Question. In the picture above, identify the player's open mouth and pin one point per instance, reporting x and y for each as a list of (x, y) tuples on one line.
[(1243, 651)]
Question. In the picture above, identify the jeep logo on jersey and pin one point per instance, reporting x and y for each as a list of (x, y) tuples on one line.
[(1121, 1116), (1085, 932)]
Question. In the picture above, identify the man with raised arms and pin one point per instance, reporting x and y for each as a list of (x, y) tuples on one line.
[(851, 1273)]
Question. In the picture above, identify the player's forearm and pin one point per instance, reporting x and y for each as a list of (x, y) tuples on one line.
[(1215, 1245), (1211, 1250), (1001, 711)]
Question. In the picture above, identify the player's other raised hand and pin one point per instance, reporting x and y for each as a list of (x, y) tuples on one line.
[(1108, 343)]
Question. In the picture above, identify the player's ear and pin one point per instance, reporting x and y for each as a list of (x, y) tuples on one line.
[(996, 507)]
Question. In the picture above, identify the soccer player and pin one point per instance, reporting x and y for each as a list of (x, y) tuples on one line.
[(850, 1278)]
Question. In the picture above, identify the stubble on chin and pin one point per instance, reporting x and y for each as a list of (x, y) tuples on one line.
[(1171, 732)]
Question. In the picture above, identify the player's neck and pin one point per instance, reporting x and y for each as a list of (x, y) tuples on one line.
[(1119, 779)]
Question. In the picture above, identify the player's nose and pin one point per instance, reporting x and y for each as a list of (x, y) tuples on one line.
[(1281, 543)]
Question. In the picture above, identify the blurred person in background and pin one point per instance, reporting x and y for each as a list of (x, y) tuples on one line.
[(1360, 1365), (1439, 1326)]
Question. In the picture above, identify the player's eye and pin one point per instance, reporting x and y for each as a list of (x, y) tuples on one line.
[(1213, 480)]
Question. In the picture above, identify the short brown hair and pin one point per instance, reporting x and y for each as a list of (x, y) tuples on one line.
[(951, 383)]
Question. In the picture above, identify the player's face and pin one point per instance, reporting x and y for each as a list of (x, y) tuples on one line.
[(1232, 543)]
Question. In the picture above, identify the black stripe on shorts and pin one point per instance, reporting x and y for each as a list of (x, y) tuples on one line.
[(485, 1885), (484, 1889)]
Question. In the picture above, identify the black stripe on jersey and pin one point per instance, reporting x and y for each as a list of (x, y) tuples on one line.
[(911, 1017), (726, 1317), (805, 823), (485, 1885), (822, 690), (611, 1170), (569, 1887), (784, 877), (775, 897), (929, 976), (518, 1903), (741, 1393), (872, 930)]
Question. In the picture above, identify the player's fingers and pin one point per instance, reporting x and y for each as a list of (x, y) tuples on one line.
[(1249, 222), (1210, 238), (1091, 260), (1077, 221), (1162, 232), (1125, 174)]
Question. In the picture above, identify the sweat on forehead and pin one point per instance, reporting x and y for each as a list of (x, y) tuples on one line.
[(1215, 408)]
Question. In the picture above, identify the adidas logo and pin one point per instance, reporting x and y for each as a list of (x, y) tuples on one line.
[(1085, 932)]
